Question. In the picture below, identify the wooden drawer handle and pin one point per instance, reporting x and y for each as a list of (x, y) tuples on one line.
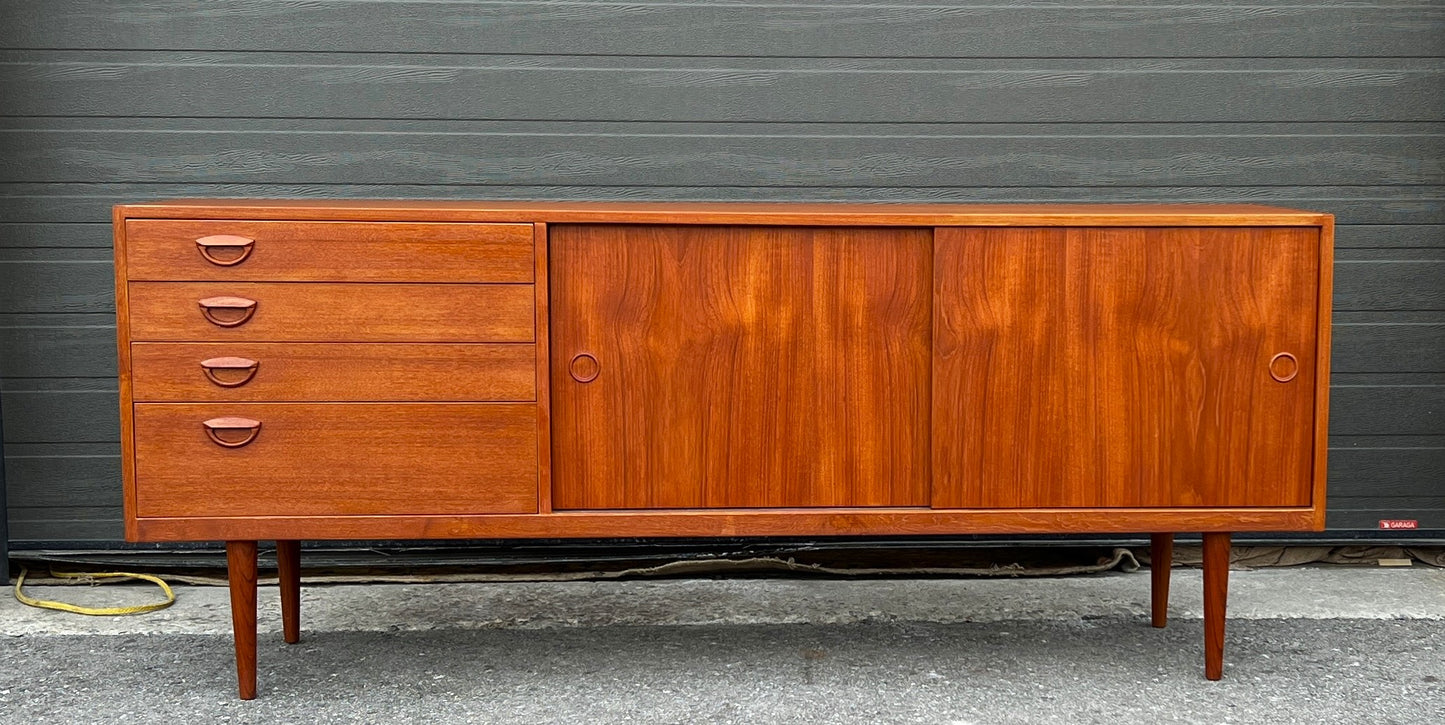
[(240, 306), (584, 368), (1283, 367), (207, 246), (247, 366), (214, 427)]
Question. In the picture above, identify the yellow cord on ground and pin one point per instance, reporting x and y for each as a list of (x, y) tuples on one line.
[(95, 611)]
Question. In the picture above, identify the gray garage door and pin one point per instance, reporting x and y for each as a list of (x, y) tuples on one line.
[(1336, 107)]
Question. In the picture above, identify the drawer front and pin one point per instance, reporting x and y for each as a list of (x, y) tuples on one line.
[(189, 250), (304, 372), (335, 459), (319, 312)]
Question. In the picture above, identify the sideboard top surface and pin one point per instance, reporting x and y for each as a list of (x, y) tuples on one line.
[(830, 214)]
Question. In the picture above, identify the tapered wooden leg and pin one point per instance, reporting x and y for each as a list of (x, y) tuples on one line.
[(1161, 558), (1216, 593), (288, 564), (241, 565)]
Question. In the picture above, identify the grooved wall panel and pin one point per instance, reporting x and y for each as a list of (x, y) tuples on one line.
[(1338, 107), (959, 155), (900, 28), (709, 90)]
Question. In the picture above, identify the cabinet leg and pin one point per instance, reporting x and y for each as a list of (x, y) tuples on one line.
[(241, 565), (1161, 559), (288, 565), (1216, 594)]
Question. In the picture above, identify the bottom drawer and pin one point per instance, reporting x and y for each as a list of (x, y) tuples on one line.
[(334, 459)]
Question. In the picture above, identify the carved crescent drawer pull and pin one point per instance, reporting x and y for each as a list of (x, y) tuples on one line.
[(207, 246), (215, 426), (584, 368), (1283, 367), (247, 366), (233, 305)]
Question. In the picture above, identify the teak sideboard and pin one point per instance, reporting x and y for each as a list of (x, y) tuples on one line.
[(317, 369)]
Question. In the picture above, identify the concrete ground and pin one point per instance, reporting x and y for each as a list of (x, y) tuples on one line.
[(1304, 645)]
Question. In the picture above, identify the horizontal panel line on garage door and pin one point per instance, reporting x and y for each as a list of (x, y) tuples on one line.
[(37, 156), (1075, 54), (723, 58), (1158, 192), (97, 83), (120, 58), (907, 129), (704, 122), (926, 27), (42, 202), (722, 129), (62, 450)]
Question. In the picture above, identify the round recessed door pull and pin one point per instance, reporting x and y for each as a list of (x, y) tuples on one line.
[(1283, 367), (584, 368), (216, 427), (225, 250), (227, 311), (244, 367)]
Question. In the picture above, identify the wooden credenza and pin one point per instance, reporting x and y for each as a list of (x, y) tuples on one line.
[(421, 370)]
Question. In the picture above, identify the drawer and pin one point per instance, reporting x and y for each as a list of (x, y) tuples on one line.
[(335, 459), (291, 371), (322, 312), (163, 249)]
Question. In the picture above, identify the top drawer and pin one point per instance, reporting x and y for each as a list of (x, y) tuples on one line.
[(283, 251)]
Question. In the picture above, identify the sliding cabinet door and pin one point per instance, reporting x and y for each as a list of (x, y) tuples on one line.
[(706, 367), (1116, 367)]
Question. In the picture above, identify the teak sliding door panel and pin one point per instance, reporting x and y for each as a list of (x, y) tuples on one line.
[(699, 366), (1124, 367)]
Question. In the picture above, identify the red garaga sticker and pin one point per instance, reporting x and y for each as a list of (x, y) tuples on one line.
[(1399, 524)]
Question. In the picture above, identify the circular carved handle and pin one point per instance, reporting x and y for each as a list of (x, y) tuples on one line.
[(584, 368), (215, 426), (245, 366), (237, 309), (1283, 367), (208, 246)]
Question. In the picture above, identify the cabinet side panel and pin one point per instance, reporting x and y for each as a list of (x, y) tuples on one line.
[(1121, 367), (543, 366), (122, 333), (1322, 367), (740, 366)]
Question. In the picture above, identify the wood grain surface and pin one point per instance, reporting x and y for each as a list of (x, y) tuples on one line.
[(166, 250), (1161, 562), (1324, 345), (689, 523), (744, 213), (1123, 367), (325, 312), (543, 369), (321, 372), (125, 388), (241, 573), (337, 459), (1216, 600), (740, 366), (288, 575)]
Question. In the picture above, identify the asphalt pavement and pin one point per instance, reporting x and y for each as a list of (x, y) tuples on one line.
[(1304, 645)]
